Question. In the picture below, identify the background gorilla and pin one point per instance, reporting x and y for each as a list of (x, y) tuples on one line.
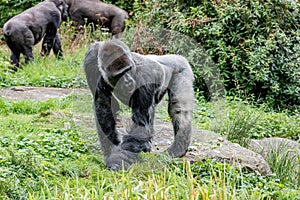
[(140, 82), (28, 28), (97, 12)]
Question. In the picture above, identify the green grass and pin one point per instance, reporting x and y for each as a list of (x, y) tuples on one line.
[(284, 159), (49, 149), (243, 120), (45, 154), (48, 72)]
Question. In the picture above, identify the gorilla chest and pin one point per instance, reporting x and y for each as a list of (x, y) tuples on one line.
[(138, 88)]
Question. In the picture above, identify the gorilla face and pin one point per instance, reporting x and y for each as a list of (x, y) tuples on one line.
[(115, 61), (63, 7)]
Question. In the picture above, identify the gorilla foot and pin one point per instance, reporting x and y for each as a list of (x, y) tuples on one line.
[(120, 159), (176, 152)]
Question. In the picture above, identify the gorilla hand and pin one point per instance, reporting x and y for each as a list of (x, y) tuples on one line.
[(137, 141)]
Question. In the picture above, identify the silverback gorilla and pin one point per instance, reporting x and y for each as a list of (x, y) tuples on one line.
[(28, 28), (97, 12), (139, 81)]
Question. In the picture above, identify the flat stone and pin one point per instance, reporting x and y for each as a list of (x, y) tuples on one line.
[(209, 145), (34, 93)]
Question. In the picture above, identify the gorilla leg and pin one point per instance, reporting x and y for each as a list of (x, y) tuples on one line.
[(28, 54), (57, 47), (48, 40), (15, 58), (19, 42), (181, 101), (15, 51), (78, 21), (27, 45)]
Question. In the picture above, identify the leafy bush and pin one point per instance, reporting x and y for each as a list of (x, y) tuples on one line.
[(10, 8), (126, 5), (255, 44)]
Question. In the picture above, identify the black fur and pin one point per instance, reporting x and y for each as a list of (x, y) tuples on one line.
[(97, 13), (25, 30)]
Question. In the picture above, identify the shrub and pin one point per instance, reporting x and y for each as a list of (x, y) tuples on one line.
[(10, 8), (254, 44)]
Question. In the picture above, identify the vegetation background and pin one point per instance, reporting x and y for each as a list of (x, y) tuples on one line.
[(255, 45)]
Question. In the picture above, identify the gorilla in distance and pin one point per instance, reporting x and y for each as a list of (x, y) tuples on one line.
[(26, 29), (139, 81), (97, 13)]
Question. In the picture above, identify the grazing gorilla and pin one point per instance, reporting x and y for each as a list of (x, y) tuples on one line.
[(28, 28), (140, 82), (97, 12)]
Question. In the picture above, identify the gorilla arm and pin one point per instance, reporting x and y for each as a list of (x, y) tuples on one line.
[(142, 104), (104, 112)]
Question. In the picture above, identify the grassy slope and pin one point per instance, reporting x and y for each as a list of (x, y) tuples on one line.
[(46, 154)]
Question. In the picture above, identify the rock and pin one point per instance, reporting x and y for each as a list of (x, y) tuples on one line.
[(204, 145), (207, 144), (280, 146), (34, 93)]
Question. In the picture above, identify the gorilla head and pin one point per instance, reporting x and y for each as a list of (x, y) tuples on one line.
[(115, 60), (140, 82), (62, 6)]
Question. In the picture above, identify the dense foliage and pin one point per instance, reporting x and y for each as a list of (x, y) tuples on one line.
[(10, 8), (255, 44)]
